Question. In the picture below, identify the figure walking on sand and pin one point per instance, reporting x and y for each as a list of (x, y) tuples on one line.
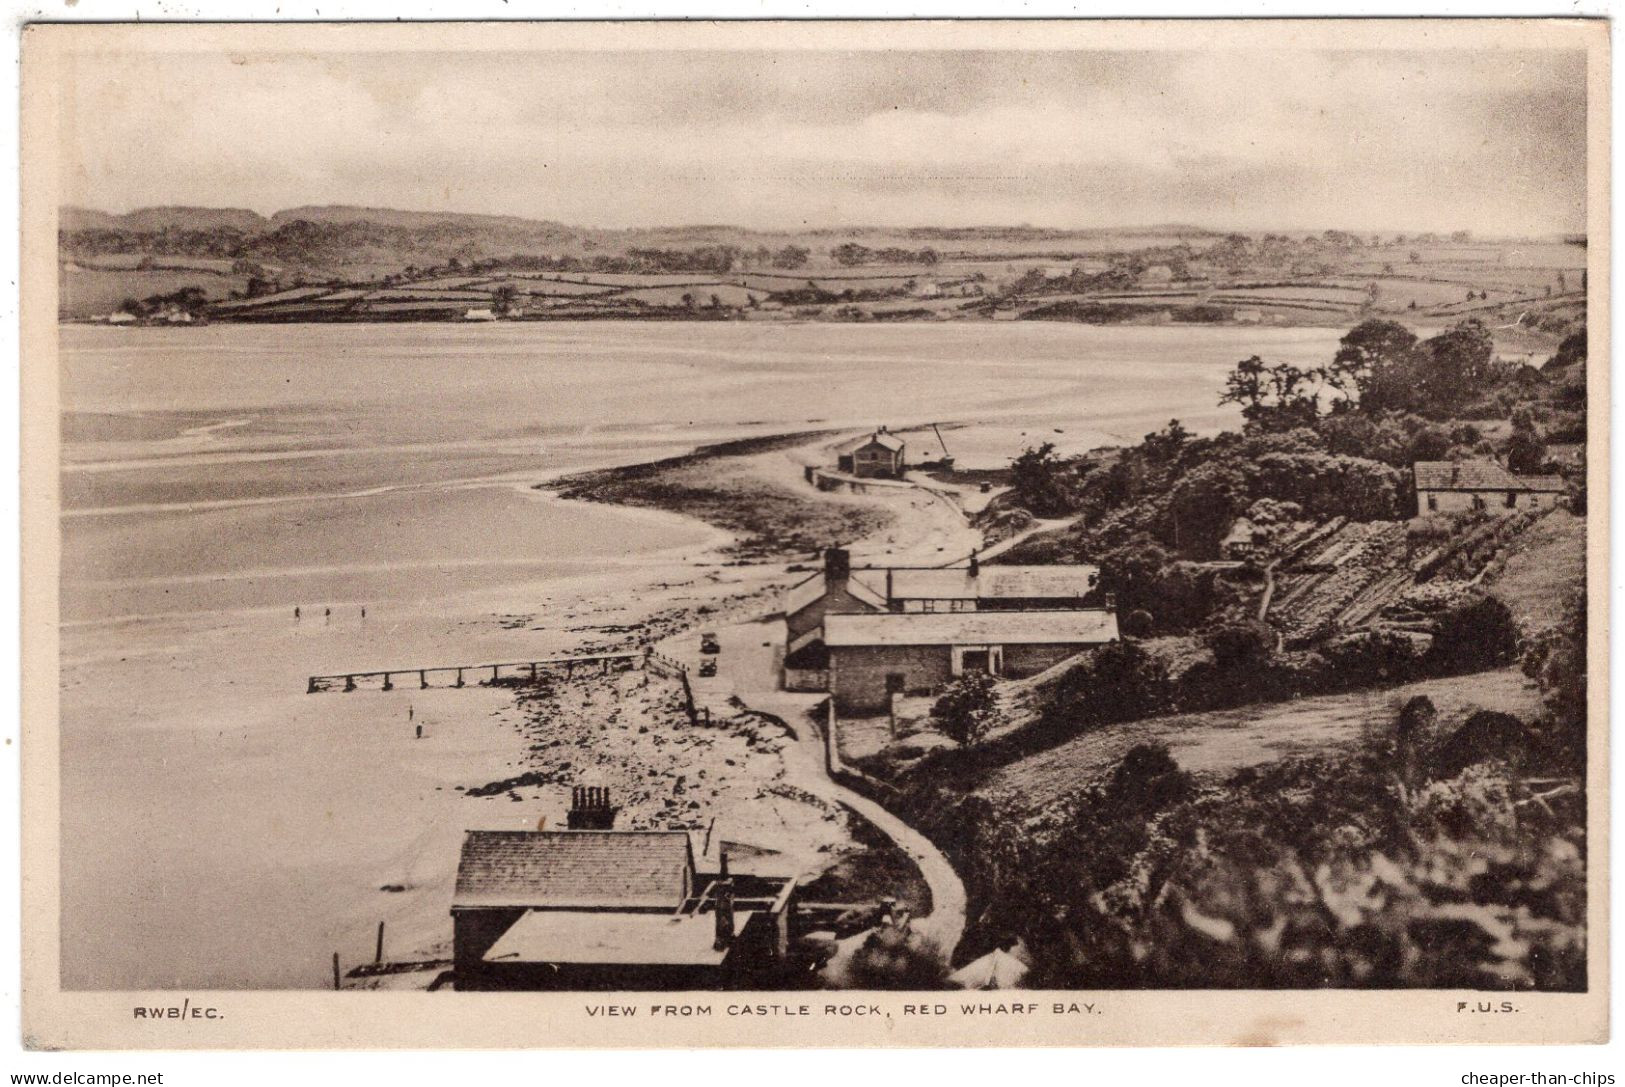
[(296, 613)]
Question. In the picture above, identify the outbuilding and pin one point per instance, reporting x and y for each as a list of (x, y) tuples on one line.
[(873, 456)]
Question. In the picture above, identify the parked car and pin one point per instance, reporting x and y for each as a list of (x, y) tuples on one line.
[(709, 643), (708, 669)]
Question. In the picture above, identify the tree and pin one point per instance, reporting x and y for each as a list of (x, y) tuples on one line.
[(1036, 481), (1163, 446), (964, 711), (1272, 398), (1526, 449), (791, 256), (849, 253), (1367, 354), (504, 298), (1454, 367)]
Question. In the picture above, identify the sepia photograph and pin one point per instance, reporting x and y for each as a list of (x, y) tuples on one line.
[(745, 528)]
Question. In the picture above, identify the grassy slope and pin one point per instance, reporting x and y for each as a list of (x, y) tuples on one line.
[(1223, 740), (1542, 566)]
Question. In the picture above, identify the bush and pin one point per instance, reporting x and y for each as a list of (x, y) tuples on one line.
[(893, 959), (1474, 636), (1136, 624), (964, 712), (1244, 645), (1120, 682)]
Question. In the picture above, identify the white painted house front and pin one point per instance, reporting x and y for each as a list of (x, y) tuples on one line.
[(1444, 486)]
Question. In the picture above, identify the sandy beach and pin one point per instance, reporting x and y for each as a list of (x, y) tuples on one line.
[(227, 830)]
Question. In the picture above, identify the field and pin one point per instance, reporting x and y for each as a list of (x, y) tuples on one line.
[(1097, 277), (86, 292)]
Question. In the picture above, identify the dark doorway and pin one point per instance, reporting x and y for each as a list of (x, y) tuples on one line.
[(975, 660)]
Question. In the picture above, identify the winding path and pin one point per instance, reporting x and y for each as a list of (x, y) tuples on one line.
[(749, 675)]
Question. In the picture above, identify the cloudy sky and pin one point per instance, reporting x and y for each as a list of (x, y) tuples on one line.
[(1428, 140)]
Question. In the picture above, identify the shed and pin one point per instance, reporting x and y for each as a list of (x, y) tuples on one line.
[(875, 456)]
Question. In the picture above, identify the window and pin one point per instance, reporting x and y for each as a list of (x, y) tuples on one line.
[(1512, 500), (1433, 501)]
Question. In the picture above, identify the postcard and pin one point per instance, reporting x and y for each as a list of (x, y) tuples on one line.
[(815, 534)]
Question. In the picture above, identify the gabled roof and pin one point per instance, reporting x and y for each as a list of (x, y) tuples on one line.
[(990, 583), (574, 869), (1477, 475), (1084, 627), (880, 437)]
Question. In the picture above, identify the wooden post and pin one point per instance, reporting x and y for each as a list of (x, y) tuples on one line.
[(423, 679), (459, 682), (311, 688), (533, 671), (388, 686), (378, 957), (349, 683), (494, 668), (335, 971)]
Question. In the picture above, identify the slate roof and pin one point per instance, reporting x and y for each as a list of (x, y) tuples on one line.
[(1084, 627), (992, 583), (879, 437), (575, 869), (1477, 475)]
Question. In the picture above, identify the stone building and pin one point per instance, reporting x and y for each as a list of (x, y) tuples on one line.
[(874, 656), (866, 634), (612, 909), (1445, 486)]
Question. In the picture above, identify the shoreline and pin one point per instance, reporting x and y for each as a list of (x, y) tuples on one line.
[(723, 485)]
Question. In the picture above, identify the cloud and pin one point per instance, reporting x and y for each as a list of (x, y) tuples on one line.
[(1435, 139)]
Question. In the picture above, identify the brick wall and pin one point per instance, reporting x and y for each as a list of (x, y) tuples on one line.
[(857, 674)]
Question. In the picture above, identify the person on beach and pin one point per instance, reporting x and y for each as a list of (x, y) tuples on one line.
[(296, 613)]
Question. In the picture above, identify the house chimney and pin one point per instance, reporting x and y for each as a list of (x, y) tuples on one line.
[(590, 809), (724, 914), (837, 567), (975, 565)]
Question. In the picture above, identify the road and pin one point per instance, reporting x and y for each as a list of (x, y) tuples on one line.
[(748, 671)]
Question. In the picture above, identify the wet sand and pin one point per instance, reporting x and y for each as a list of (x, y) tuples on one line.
[(221, 828)]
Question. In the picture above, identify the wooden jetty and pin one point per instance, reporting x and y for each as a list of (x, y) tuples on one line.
[(463, 675)]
